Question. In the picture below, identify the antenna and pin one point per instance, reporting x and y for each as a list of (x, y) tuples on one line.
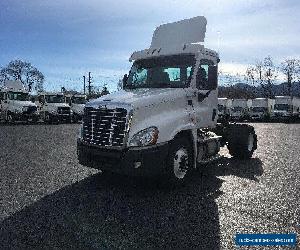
[(89, 81), (84, 85)]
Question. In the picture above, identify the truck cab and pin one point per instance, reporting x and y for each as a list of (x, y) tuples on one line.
[(15, 104), (262, 109), (224, 108), (53, 108), (77, 103), (240, 109), (164, 121), (286, 108)]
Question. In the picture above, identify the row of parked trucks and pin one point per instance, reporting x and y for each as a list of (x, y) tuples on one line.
[(16, 104), (281, 108)]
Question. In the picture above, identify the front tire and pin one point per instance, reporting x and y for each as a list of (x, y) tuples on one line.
[(242, 141), (180, 160)]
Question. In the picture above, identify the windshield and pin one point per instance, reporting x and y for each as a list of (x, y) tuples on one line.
[(237, 109), (283, 107), (161, 72), (54, 98), (79, 100), (18, 96), (259, 109)]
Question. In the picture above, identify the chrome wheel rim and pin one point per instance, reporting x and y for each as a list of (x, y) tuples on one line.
[(250, 142), (180, 163)]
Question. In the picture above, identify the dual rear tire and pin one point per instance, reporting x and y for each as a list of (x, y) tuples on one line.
[(241, 141)]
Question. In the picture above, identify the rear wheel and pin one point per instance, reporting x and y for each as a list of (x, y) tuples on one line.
[(10, 118), (242, 141), (179, 160)]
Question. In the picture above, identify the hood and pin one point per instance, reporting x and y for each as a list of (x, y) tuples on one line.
[(58, 105), (24, 104), (136, 97)]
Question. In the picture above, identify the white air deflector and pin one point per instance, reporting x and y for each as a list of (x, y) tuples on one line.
[(179, 33)]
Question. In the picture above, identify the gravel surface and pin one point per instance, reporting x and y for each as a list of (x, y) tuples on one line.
[(48, 200)]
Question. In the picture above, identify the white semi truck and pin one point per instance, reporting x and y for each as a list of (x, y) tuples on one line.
[(53, 108), (164, 121), (77, 103), (286, 108), (240, 109), (262, 109), (15, 104), (224, 108)]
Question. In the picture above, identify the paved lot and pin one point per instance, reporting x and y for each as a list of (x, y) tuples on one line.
[(49, 201)]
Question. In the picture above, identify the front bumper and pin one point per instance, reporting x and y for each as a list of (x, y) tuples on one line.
[(26, 116), (152, 159)]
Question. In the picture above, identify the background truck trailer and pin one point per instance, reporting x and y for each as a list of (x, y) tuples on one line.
[(164, 121), (224, 108), (53, 108), (240, 109), (15, 104), (262, 109), (286, 108)]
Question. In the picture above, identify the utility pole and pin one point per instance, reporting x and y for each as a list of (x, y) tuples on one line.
[(84, 85), (89, 81)]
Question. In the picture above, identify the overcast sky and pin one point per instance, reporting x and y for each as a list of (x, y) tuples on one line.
[(65, 39)]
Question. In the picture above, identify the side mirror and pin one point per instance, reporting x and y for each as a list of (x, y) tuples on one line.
[(213, 77), (125, 78)]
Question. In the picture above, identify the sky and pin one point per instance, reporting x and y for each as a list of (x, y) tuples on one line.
[(65, 39)]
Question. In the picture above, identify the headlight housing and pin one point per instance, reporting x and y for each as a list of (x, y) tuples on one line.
[(145, 137), (25, 109)]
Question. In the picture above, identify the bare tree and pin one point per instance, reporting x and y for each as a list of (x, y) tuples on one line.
[(24, 72), (291, 70), (263, 74), (270, 74)]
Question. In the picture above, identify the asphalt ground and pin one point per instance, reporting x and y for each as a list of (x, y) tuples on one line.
[(48, 200)]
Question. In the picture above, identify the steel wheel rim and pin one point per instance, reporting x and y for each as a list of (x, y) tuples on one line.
[(250, 142), (180, 163)]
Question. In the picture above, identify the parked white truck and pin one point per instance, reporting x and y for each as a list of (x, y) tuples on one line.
[(164, 121), (77, 103), (262, 109), (224, 108), (240, 109), (53, 108), (286, 108), (15, 104)]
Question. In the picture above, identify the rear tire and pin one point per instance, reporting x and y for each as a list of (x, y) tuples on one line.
[(242, 141), (180, 160)]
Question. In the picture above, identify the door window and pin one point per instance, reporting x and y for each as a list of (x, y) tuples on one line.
[(207, 75)]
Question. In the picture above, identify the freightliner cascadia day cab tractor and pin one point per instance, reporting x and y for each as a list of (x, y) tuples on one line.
[(262, 109), (15, 104), (53, 108), (286, 108), (224, 108), (164, 121), (240, 109), (77, 103)]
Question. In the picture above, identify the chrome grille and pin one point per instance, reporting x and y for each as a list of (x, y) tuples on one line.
[(104, 127)]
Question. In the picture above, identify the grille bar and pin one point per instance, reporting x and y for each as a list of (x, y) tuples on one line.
[(104, 127)]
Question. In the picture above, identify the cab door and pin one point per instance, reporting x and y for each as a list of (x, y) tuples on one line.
[(206, 102)]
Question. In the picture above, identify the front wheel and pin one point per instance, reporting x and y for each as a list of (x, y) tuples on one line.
[(180, 160), (242, 141)]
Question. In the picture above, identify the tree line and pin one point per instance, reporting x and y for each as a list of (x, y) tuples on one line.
[(261, 78)]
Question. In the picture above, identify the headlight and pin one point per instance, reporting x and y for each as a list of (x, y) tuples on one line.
[(145, 137), (24, 109)]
